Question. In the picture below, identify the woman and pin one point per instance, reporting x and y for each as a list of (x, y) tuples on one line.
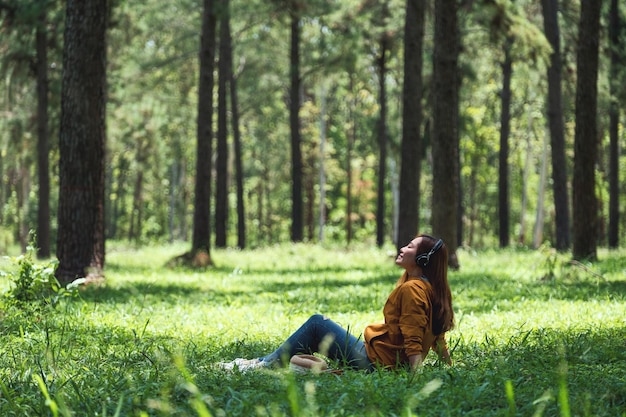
[(417, 314)]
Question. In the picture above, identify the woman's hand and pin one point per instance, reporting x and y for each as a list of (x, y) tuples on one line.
[(445, 356), (415, 361), (441, 348)]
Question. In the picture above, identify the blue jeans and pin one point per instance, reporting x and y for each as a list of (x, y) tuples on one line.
[(320, 334)]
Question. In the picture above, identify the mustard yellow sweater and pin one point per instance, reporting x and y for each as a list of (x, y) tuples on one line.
[(407, 329)]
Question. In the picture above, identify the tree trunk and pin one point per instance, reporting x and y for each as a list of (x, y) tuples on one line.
[(142, 154), (119, 204), (294, 123), (172, 206), (351, 138), (385, 42), (555, 121), (309, 192), (134, 231), (445, 147), (473, 207), (540, 214), (265, 209), (80, 243), (43, 170), (585, 205), (224, 70), (503, 167), (411, 154), (322, 172), (241, 216), (201, 239), (23, 186), (521, 238), (614, 112)]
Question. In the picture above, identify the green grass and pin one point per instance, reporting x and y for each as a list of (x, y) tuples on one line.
[(535, 336)]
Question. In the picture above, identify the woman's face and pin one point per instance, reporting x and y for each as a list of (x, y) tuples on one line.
[(407, 254)]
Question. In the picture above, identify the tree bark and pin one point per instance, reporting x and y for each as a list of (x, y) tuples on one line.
[(445, 146), (322, 172), (503, 166), (43, 146), (385, 44), (585, 203), (136, 214), (351, 137), (201, 239), (224, 70), (81, 243), (119, 204), (294, 123), (614, 112), (241, 212), (411, 153), (540, 214), (555, 121)]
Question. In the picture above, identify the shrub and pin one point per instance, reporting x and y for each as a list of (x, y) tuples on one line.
[(34, 282)]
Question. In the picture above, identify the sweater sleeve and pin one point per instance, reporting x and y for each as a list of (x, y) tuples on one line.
[(414, 317)]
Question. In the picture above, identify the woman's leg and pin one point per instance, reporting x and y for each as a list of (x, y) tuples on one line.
[(320, 334)]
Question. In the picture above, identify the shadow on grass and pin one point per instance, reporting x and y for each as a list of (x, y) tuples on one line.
[(479, 292), (225, 269), (204, 292), (167, 292), (319, 284), (482, 292), (329, 284)]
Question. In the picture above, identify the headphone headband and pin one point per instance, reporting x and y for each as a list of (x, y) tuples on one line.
[(424, 258)]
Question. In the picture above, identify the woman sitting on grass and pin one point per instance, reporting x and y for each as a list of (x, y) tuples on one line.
[(417, 314)]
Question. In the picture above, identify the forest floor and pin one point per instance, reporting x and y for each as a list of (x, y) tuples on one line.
[(535, 335)]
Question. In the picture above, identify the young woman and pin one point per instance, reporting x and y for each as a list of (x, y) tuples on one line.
[(418, 313)]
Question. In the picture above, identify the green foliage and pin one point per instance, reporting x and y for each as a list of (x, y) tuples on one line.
[(143, 343), (34, 283), (506, 19)]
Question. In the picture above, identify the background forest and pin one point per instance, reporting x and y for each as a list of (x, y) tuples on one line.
[(350, 177)]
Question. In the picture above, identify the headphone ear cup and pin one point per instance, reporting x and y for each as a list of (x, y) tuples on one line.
[(423, 258)]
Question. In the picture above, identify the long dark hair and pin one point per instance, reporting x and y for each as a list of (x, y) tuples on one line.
[(436, 270)]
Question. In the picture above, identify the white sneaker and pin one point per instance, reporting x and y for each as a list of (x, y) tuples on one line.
[(242, 364)]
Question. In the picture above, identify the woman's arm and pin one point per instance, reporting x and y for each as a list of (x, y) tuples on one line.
[(413, 316)]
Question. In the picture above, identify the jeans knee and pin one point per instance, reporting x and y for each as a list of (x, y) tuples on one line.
[(317, 318)]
